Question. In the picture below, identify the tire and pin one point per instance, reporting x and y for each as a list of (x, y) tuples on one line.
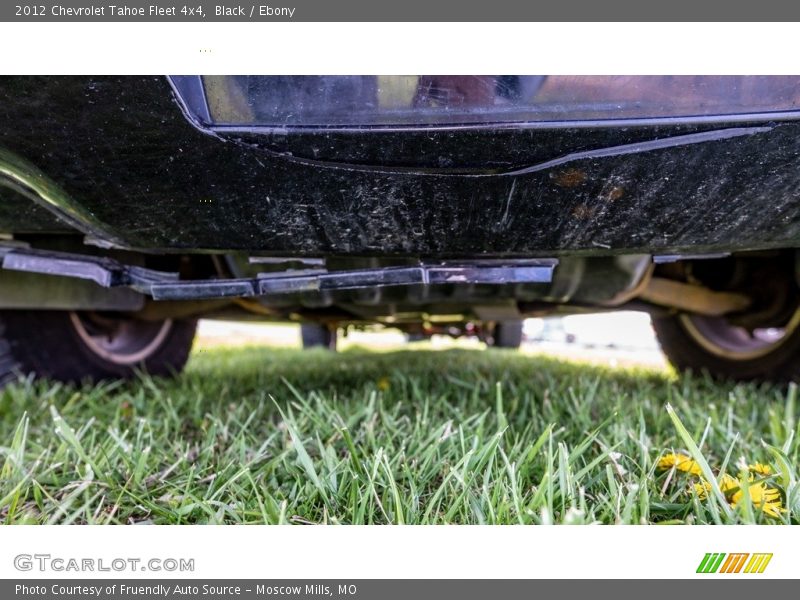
[(711, 344), (73, 346), (507, 334), (315, 335)]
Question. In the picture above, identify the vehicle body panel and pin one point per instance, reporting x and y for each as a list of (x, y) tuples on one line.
[(123, 150)]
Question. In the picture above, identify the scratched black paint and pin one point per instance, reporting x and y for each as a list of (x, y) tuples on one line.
[(123, 149)]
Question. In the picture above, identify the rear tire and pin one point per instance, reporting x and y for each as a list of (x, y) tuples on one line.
[(507, 334), (316, 335), (713, 345), (72, 346)]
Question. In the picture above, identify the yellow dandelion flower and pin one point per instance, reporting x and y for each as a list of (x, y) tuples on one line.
[(702, 489), (760, 469), (728, 484), (763, 497), (383, 384), (680, 462)]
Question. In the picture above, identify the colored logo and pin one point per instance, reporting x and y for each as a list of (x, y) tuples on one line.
[(740, 562)]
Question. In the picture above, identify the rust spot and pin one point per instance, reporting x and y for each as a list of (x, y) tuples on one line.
[(582, 211), (569, 178), (614, 193)]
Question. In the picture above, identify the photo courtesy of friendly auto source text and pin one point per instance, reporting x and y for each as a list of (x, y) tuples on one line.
[(323, 274)]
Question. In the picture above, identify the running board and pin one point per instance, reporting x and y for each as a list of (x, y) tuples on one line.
[(161, 285)]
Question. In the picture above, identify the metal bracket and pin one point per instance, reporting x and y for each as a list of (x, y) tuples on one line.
[(161, 285), (662, 259), (104, 271)]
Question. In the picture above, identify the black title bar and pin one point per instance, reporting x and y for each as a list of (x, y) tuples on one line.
[(407, 10), (372, 589)]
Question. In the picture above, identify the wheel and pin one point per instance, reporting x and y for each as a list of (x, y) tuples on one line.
[(726, 351), (507, 334), (71, 346), (316, 335)]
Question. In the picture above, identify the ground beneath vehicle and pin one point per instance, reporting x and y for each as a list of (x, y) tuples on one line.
[(131, 206), (505, 334)]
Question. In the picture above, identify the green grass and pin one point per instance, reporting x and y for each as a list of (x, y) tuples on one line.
[(258, 435)]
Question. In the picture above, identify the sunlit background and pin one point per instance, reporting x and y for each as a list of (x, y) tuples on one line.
[(616, 339)]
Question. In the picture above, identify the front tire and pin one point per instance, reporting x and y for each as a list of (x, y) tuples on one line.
[(72, 346), (712, 344)]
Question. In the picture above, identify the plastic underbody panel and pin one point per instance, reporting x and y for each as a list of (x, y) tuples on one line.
[(122, 151)]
